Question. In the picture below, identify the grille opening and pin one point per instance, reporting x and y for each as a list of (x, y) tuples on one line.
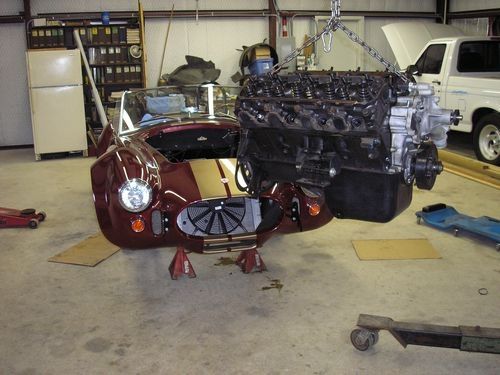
[(229, 216)]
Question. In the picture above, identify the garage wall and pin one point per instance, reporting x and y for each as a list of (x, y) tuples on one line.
[(472, 26), (466, 5), (10, 7), (15, 121), (215, 39)]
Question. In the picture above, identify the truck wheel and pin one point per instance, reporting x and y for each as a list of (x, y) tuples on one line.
[(487, 139)]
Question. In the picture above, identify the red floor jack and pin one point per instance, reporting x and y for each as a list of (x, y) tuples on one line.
[(11, 218)]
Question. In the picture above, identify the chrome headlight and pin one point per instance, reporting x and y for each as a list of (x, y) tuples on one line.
[(135, 195)]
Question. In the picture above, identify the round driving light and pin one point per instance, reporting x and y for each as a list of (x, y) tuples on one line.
[(135, 195), (314, 209), (138, 225)]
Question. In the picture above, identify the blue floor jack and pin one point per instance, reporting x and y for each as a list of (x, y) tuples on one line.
[(445, 217)]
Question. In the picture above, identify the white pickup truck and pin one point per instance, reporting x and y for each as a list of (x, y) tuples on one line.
[(465, 72)]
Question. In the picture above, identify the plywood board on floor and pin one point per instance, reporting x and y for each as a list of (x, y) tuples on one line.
[(89, 252), (395, 249)]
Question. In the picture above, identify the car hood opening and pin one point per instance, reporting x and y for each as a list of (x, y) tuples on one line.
[(408, 38)]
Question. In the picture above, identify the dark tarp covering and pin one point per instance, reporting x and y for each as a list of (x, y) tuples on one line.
[(196, 71)]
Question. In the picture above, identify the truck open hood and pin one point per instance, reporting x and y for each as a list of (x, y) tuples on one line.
[(408, 38)]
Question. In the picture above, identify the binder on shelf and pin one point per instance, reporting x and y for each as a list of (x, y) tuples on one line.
[(124, 53), (111, 55), (126, 74), (60, 37), (107, 35), (109, 74), (122, 34), (55, 37), (114, 35), (98, 57), (83, 35), (118, 55), (95, 75), (138, 75), (35, 42), (132, 73), (94, 35), (68, 38), (118, 74), (91, 55), (103, 55), (41, 38), (48, 38)]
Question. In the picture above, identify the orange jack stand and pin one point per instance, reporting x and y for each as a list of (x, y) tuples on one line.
[(181, 265), (250, 259)]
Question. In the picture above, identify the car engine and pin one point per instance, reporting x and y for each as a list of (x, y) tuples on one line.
[(357, 140)]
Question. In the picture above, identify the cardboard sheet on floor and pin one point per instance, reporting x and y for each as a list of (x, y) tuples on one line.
[(89, 252), (394, 249)]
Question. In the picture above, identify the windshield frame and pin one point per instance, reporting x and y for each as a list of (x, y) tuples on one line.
[(127, 126)]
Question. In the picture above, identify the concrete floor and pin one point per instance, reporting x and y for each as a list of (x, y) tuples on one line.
[(127, 316)]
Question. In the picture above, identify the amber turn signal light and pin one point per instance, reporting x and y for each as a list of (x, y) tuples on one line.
[(137, 225), (314, 209)]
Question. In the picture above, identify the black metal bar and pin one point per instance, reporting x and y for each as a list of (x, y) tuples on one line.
[(86, 16), (272, 24), (160, 14), (12, 19), (442, 10), (27, 19), (253, 13), (368, 14), (27, 10), (475, 13)]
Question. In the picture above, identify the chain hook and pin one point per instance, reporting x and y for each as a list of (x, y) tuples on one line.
[(327, 39)]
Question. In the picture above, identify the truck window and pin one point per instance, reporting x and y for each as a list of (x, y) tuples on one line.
[(479, 56), (431, 60)]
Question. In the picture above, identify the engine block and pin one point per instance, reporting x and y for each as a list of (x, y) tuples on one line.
[(358, 139)]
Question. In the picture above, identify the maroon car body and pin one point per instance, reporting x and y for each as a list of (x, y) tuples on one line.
[(184, 161)]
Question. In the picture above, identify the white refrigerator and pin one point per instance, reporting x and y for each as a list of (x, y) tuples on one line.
[(56, 98)]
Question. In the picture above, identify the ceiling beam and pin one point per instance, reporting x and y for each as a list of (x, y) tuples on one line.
[(475, 13), (12, 19)]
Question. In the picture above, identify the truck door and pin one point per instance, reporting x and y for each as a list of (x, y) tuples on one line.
[(431, 69)]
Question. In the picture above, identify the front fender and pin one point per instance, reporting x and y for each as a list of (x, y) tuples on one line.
[(110, 171)]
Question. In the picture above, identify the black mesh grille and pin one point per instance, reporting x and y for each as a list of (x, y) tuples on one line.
[(218, 216)]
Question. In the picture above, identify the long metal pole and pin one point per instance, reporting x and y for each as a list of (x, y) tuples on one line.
[(95, 93), (165, 45)]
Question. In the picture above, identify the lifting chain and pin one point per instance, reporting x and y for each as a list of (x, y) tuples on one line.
[(326, 35)]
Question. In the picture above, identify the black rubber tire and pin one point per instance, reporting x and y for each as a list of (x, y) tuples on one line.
[(491, 120), (42, 215), (33, 224), (370, 340)]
